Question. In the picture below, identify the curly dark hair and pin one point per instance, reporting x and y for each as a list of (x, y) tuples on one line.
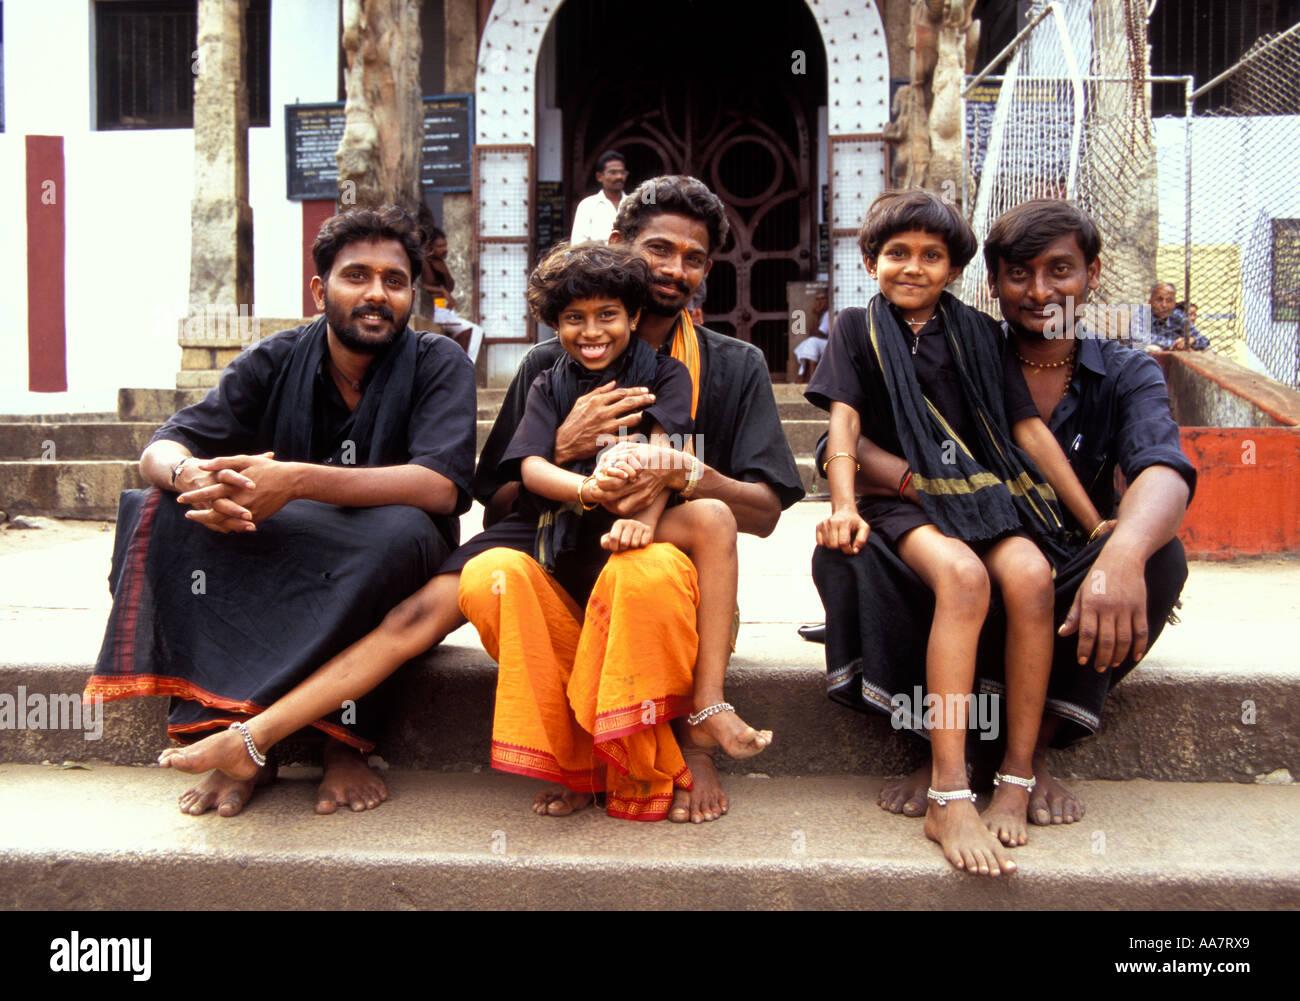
[(366, 226), (587, 271), (673, 194), (1024, 231), (897, 212)]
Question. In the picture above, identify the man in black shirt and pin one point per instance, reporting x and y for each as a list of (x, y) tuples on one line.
[(319, 485), (742, 458), (1108, 407)]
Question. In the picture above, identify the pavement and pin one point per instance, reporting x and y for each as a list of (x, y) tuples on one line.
[(89, 830)]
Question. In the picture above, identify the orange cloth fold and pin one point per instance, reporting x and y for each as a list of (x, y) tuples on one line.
[(586, 701)]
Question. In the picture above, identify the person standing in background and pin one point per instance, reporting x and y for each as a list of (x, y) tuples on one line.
[(594, 219)]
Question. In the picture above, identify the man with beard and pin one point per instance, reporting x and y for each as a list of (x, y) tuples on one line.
[(310, 492), (742, 459), (1108, 406)]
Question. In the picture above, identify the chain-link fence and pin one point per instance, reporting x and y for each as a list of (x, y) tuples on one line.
[(1069, 117), (1243, 226)]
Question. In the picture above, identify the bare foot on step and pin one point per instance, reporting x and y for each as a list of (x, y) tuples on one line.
[(1052, 801), (560, 802), (958, 829), (905, 794), (348, 781)]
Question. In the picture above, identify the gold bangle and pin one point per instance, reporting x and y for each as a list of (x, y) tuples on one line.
[(1097, 531), (841, 455), (693, 476), (585, 505)]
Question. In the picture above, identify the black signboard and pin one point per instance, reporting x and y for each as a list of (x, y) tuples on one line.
[(311, 142), (313, 133), (550, 227), (445, 156)]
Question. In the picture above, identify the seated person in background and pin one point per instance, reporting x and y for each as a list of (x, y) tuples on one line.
[(1171, 330), (809, 351), (437, 282)]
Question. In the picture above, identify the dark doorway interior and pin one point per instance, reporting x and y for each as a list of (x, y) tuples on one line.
[(727, 91)]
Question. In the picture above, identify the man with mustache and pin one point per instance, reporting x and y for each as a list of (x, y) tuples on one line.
[(743, 459), (1108, 407), (310, 492)]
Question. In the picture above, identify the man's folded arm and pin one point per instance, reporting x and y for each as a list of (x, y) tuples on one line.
[(412, 484)]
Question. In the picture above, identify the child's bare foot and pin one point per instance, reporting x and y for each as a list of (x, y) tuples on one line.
[(1007, 813), (228, 795), (348, 781), (728, 731), (966, 842), (705, 800), (905, 794), (223, 751), (560, 802), (1052, 801)]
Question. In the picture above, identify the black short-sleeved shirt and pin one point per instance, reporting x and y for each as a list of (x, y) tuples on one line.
[(1116, 413), (849, 373), (737, 426), (439, 429), (535, 434)]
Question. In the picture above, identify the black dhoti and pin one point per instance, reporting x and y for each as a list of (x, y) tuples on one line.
[(227, 624), (879, 614)]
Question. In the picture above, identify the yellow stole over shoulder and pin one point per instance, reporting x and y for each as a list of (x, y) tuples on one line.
[(686, 349)]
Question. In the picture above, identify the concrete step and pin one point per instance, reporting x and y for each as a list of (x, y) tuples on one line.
[(60, 442), (1160, 724), (158, 404), (113, 839), (107, 417), (1218, 698), (66, 489)]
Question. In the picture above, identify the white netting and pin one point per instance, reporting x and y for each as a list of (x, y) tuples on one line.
[(1068, 117), (1245, 232)]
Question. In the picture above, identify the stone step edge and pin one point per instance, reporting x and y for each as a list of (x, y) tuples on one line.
[(774, 850)]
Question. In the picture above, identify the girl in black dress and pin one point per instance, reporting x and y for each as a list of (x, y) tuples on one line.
[(922, 375)]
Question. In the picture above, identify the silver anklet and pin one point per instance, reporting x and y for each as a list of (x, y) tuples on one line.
[(942, 798), (258, 757), (695, 719), (1015, 780)]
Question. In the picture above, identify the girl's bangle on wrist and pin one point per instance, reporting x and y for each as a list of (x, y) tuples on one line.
[(581, 500)]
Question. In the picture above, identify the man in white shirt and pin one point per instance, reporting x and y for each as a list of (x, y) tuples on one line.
[(594, 219)]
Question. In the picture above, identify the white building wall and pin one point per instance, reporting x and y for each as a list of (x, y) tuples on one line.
[(127, 207)]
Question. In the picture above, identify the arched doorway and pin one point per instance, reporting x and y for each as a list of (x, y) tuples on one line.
[(732, 100), (762, 131)]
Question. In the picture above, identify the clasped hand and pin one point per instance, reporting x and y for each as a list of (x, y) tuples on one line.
[(235, 493)]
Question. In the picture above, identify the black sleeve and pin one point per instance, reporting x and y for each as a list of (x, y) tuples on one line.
[(671, 409), (1148, 435), (760, 451), (227, 420), (440, 433), (1019, 403), (842, 373), (489, 477), (535, 434)]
